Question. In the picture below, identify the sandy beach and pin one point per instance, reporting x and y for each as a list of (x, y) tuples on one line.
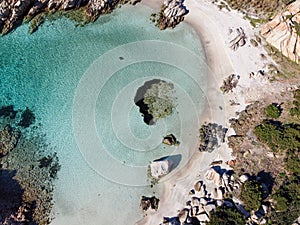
[(214, 28)]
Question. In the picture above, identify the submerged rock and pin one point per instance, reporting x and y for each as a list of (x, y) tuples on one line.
[(8, 111), (8, 140), (27, 118)]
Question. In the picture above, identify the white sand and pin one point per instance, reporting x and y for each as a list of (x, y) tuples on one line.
[(213, 27)]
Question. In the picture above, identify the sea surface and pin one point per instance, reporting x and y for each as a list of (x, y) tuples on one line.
[(81, 82)]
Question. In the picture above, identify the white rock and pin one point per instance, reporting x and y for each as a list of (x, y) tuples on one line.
[(265, 209), (244, 178), (203, 217), (160, 168), (214, 176), (263, 221), (209, 208), (195, 201), (201, 209), (219, 202), (203, 201)]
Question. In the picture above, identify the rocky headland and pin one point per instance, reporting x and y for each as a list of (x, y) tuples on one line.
[(283, 31), (15, 12)]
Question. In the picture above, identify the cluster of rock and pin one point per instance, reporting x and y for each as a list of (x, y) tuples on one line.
[(239, 40), (172, 13), (230, 83), (149, 203), (170, 139), (203, 200), (211, 136), (156, 100), (248, 118), (283, 31), (13, 12)]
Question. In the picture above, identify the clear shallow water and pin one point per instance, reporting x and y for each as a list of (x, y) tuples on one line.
[(49, 70)]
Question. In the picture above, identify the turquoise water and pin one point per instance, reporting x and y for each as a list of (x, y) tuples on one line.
[(82, 94)]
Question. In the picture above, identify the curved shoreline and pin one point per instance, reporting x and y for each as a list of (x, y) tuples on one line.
[(177, 187), (221, 61)]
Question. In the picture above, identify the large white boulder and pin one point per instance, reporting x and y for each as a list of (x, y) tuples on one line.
[(214, 176), (161, 168)]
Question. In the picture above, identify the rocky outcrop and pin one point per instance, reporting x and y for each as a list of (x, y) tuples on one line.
[(13, 12), (229, 83), (211, 136), (149, 203), (239, 39), (283, 31), (161, 167), (172, 13), (155, 99), (170, 139)]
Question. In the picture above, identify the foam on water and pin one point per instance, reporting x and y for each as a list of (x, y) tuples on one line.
[(43, 71)]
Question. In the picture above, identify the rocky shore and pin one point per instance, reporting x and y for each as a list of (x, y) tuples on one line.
[(15, 12), (172, 13)]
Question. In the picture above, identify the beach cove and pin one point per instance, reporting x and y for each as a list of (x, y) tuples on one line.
[(48, 70)]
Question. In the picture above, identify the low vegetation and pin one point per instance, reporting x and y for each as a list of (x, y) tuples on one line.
[(225, 216), (251, 195), (279, 136), (273, 111)]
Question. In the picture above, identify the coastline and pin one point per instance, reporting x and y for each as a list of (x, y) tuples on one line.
[(221, 61)]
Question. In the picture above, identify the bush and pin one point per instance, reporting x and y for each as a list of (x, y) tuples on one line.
[(289, 194), (292, 162), (273, 111), (251, 195), (278, 136), (225, 216), (295, 111), (280, 203)]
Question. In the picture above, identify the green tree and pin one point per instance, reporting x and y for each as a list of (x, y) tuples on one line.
[(226, 216), (273, 111), (251, 195)]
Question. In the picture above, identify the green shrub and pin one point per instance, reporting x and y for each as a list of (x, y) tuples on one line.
[(295, 111), (278, 136), (280, 203), (225, 216), (251, 195), (273, 111), (290, 191)]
